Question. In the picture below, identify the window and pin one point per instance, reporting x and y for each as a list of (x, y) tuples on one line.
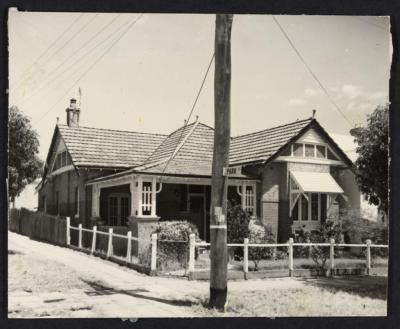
[(298, 150), (312, 151), (146, 198), (118, 209), (309, 150), (62, 160), (317, 212), (304, 208), (314, 206), (249, 204)]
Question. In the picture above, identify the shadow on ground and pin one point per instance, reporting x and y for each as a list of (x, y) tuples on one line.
[(100, 289), (363, 286)]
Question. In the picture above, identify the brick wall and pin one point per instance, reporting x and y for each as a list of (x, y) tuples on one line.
[(271, 191), (65, 184)]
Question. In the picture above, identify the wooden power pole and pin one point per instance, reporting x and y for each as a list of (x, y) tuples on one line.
[(219, 183)]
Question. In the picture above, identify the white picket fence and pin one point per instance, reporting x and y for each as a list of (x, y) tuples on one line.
[(290, 246), (193, 244)]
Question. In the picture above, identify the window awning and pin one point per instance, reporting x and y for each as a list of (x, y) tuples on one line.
[(316, 182)]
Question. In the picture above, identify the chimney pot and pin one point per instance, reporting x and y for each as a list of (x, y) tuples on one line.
[(73, 114)]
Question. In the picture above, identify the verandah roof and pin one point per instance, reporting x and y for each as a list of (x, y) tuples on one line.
[(316, 182)]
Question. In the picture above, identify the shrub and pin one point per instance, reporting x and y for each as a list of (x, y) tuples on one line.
[(238, 224), (318, 254), (237, 228), (358, 230), (173, 244), (260, 234)]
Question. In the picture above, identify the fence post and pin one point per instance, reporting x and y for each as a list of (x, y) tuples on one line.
[(129, 247), (68, 233), (110, 246), (80, 236), (331, 257), (192, 245), (93, 240), (290, 256), (153, 264), (246, 257), (368, 256)]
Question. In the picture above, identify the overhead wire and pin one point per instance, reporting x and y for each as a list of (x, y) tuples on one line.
[(311, 71), (91, 66), (46, 83), (49, 47), (189, 116)]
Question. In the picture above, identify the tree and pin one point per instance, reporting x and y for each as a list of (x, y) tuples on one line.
[(373, 157), (24, 166)]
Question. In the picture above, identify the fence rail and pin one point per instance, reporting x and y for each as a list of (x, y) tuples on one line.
[(290, 245), (59, 231)]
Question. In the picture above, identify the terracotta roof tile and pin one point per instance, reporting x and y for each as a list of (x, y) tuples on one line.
[(108, 148)]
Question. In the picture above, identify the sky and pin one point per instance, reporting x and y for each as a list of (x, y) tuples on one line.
[(147, 78)]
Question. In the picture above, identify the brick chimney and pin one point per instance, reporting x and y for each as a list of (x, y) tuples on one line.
[(72, 114)]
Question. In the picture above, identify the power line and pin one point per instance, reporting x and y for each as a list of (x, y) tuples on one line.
[(76, 61), (72, 37), (190, 114), (49, 47), (311, 71), (91, 66)]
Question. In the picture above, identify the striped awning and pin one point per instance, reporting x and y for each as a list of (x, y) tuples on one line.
[(316, 182)]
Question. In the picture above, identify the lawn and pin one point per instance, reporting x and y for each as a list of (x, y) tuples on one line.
[(356, 296)]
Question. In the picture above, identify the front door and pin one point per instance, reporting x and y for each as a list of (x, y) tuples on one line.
[(118, 209), (197, 213)]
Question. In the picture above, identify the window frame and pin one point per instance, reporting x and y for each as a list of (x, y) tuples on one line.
[(299, 205), (315, 152)]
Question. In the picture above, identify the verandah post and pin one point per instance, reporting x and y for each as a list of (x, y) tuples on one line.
[(192, 245), (67, 232), (109, 247), (368, 256), (153, 264), (331, 257), (93, 240), (246, 257), (290, 247), (129, 247), (80, 236)]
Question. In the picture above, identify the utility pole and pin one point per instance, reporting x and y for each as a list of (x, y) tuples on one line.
[(219, 183)]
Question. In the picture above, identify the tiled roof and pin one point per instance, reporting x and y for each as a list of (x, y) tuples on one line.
[(193, 145), (108, 148), (260, 146)]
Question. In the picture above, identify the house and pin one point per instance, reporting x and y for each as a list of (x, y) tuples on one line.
[(291, 176)]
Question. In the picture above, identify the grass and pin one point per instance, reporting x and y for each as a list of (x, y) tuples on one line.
[(365, 296)]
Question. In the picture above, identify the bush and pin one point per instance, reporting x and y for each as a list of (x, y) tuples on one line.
[(237, 228), (173, 244), (260, 234), (238, 224), (318, 254), (358, 230)]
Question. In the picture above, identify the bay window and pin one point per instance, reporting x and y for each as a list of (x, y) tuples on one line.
[(310, 207)]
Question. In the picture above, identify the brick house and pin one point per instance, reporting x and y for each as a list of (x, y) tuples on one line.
[(291, 176)]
